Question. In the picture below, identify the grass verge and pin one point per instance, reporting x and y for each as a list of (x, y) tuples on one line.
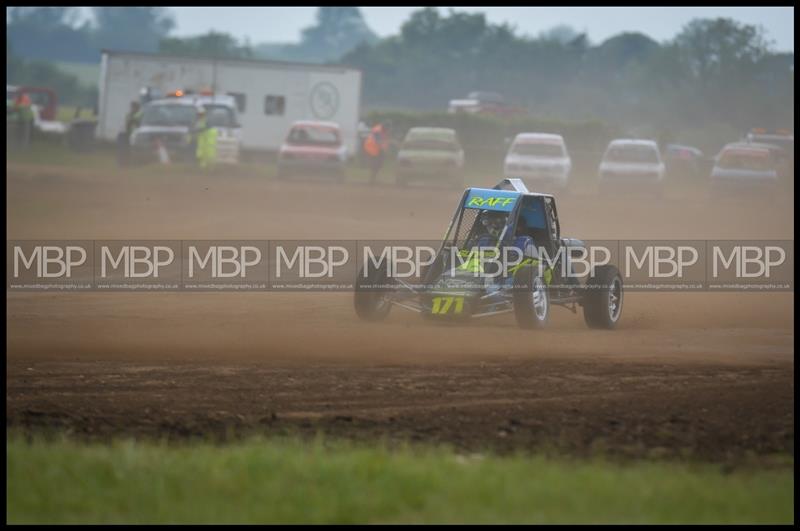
[(272, 481)]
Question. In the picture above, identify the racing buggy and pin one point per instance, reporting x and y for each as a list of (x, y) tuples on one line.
[(502, 253)]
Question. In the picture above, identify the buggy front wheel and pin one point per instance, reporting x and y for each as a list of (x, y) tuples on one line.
[(373, 293), (602, 303), (531, 298)]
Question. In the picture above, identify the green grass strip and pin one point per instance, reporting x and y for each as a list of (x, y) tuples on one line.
[(272, 481)]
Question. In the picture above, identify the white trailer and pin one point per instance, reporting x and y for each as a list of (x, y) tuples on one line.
[(270, 95)]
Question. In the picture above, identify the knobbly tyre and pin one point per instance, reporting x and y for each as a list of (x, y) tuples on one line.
[(506, 217)]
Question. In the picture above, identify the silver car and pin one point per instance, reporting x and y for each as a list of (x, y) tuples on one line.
[(632, 164), (541, 160)]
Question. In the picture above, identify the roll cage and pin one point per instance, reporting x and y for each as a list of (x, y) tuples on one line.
[(547, 236)]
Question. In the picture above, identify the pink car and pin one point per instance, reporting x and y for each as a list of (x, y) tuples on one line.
[(313, 148)]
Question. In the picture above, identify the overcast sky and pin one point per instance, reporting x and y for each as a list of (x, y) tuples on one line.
[(283, 24)]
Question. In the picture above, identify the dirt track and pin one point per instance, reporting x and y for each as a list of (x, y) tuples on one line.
[(702, 375)]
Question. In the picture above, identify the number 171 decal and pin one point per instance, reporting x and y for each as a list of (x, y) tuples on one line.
[(444, 305)]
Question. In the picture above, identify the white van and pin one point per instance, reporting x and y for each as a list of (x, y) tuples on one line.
[(170, 122)]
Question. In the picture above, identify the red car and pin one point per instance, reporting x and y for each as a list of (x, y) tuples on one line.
[(44, 98), (486, 103), (313, 148)]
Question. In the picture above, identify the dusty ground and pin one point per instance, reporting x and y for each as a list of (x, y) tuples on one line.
[(701, 375)]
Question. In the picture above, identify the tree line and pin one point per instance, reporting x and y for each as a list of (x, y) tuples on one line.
[(714, 74), (57, 34), (714, 71), (40, 73)]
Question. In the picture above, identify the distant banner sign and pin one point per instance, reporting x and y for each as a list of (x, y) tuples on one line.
[(341, 265)]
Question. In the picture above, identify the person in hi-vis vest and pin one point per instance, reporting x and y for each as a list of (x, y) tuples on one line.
[(375, 147), (206, 140), (24, 118)]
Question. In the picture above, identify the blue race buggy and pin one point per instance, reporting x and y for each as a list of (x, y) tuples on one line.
[(502, 253)]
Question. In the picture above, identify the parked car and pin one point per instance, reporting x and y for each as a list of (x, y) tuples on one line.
[(313, 147), (430, 153), (685, 160), (781, 144), (744, 165), (781, 138), (632, 164), (44, 98), (541, 160), (487, 103)]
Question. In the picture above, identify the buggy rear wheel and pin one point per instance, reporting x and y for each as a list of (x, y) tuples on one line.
[(373, 293), (602, 303), (531, 298)]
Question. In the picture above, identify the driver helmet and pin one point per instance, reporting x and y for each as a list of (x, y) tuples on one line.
[(493, 222)]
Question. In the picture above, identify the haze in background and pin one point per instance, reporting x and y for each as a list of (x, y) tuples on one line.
[(698, 76), (599, 23)]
